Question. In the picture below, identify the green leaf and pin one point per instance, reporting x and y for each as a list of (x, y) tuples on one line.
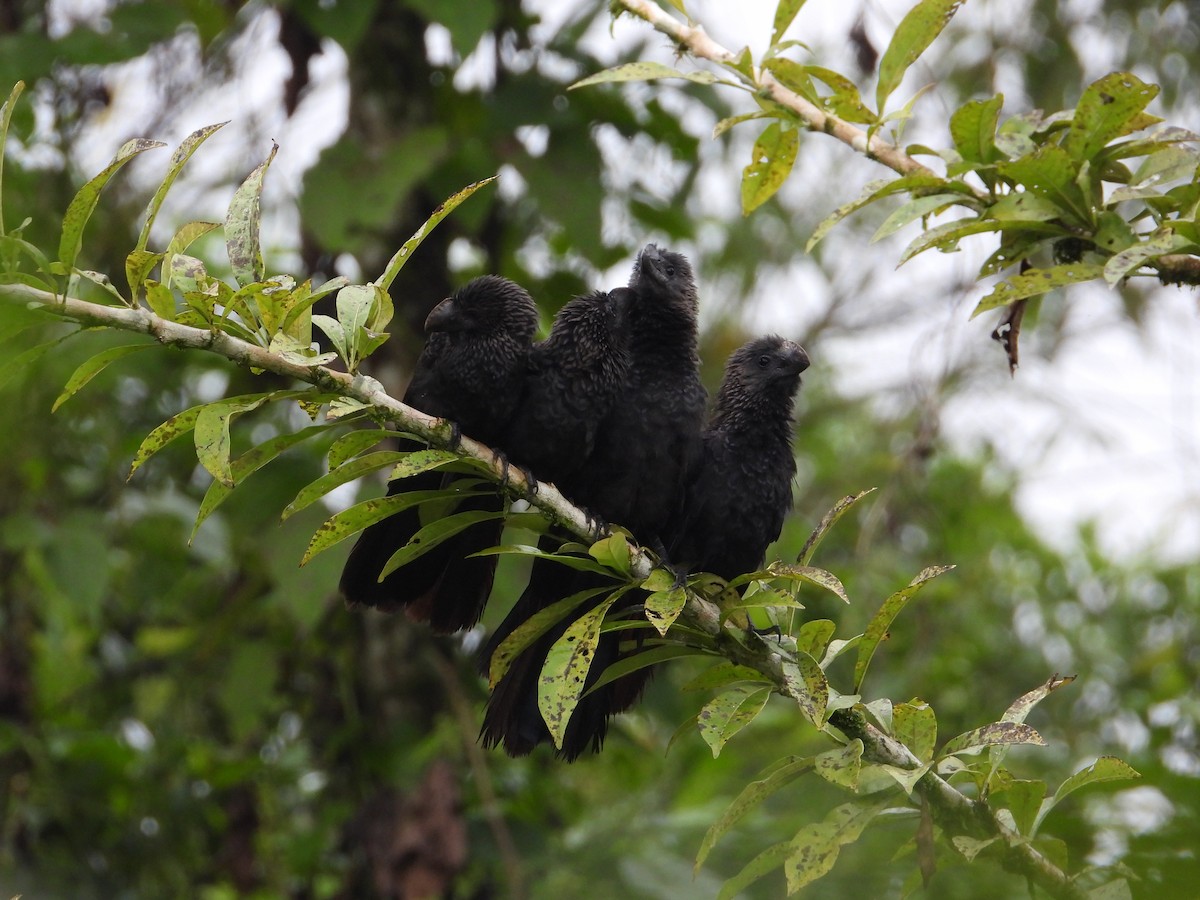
[(794, 77), (1050, 172), (294, 321), (805, 683), (101, 279), (184, 238), (93, 367), (355, 442), (578, 563), (878, 627), (877, 190), (915, 209), (914, 34), (354, 519), (906, 778), (766, 861), (845, 102), (827, 522), (915, 725), (242, 225), (1106, 111), (612, 552), (448, 206), (1024, 206), (435, 533), (643, 71), (814, 636), (178, 160), (988, 735), (533, 628), (722, 675), (1106, 768), (1036, 281), (780, 775), (811, 575), (10, 367), (725, 124), (138, 265), (212, 433), (337, 336), (841, 765), (84, 202), (363, 465), (946, 237), (246, 465), (642, 660), (564, 675), (1159, 244), (1024, 799), (785, 12), (973, 129), (176, 426), (664, 607), (774, 155), (815, 848), (728, 713), (5, 119), (1018, 710)]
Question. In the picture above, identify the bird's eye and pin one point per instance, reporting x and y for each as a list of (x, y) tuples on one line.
[(764, 361), (670, 271)]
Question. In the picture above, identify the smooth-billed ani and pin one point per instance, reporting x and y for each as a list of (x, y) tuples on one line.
[(642, 457), (736, 503), (472, 372)]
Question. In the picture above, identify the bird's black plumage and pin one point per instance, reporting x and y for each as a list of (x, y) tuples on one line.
[(640, 460), (573, 379), (472, 372), (742, 489)]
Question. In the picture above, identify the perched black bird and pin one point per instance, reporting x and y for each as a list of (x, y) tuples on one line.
[(640, 461), (742, 490), (471, 371), (573, 379)]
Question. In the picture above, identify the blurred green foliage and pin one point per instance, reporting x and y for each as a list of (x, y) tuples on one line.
[(207, 720)]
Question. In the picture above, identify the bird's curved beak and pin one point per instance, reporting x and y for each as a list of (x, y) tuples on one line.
[(795, 359), (443, 317)]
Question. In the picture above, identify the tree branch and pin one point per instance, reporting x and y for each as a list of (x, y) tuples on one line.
[(437, 432), (696, 41)]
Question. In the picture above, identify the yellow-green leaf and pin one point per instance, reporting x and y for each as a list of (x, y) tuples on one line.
[(915, 725), (664, 607), (90, 368), (84, 202), (1108, 108), (1037, 281), (774, 155), (730, 712), (564, 675), (779, 775), (643, 71), (178, 160), (877, 629), (396, 263), (435, 533), (242, 225), (916, 31)]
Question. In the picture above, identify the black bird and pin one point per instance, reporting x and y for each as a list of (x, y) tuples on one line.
[(736, 504), (471, 371), (572, 381), (641, 459)]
